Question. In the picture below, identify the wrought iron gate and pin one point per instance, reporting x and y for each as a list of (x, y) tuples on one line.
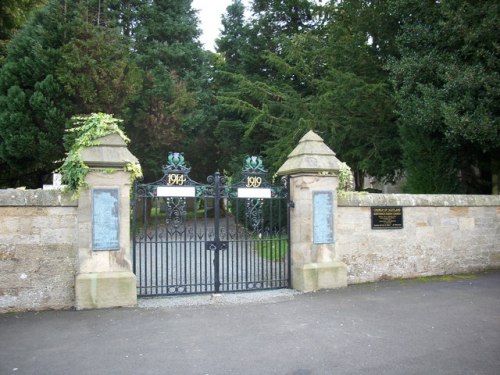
[(190, 238)]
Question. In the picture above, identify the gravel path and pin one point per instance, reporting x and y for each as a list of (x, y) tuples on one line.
[(222, 299), (176, 260)]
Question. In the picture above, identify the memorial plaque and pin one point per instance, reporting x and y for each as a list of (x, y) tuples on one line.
[(387, 217), (322, 217), (105, 219)]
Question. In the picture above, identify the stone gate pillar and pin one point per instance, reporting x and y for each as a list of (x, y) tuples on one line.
[(313, 169), (104, 267)]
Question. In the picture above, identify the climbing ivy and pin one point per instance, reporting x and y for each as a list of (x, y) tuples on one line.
[(86, 131), (345, 178)]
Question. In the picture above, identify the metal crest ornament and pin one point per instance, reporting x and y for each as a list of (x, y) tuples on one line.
[(253, 164), (253, 173), (176, 163), (176, 171)]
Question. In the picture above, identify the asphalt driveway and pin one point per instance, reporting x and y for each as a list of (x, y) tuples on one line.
[(395, 327)]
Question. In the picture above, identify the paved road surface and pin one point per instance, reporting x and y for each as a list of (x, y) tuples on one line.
[(410, 327)]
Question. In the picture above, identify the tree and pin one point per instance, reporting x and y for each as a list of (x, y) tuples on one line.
[(245, 79), (166, 49), (231, 48), (233, 36), (274, 22), (447, 89), (60, 64), (13, 14), (327, 77), (353, 103)]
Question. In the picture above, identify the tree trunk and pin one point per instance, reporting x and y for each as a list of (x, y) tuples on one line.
[(359, 180), (495, 172)]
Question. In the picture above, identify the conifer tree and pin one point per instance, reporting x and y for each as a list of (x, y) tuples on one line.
[(244, 76), (447, 89), (234, 36), (60, 64), (13, 15), (168, 52), (327, 76)]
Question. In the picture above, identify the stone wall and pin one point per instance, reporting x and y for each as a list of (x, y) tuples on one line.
[(38, 247), (442, 234)]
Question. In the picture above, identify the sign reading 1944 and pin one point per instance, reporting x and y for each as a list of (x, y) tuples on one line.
[(387, 217)]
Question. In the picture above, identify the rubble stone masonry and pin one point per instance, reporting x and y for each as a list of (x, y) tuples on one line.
[(441, 234), (37, 250)]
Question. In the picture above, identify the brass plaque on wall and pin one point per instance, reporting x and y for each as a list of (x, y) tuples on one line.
[(387, 217)]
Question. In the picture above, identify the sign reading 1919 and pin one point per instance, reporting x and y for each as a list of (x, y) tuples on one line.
[(254, 181)]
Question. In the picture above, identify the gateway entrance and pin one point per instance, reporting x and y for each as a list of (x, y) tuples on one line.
[(189, 237)]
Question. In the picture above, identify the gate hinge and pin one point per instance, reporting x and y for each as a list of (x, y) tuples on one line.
[(291, 204)]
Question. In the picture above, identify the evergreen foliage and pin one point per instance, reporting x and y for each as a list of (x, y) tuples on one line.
[(166, 49), (61, 63), (392, 86), (327, 77), (13, 14), (234, 35), (447, 89)]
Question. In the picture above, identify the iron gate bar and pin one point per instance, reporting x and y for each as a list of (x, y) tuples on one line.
[(170, 253), (217, 180)]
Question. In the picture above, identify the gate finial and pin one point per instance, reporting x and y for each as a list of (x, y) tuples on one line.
[(176, 162), (253, 164)]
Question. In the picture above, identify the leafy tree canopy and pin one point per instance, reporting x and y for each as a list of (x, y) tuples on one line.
[(172, 108)]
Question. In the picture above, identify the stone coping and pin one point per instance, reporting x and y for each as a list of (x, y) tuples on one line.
[(35, 198), (417, 200), (58, 198)]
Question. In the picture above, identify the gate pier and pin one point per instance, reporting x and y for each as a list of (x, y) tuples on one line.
[(313, 170), (104, 268)]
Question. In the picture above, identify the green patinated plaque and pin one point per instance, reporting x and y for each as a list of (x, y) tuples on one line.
[(105, 219), (323, 217)]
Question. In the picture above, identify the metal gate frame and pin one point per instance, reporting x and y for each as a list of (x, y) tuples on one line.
[(238, 243)]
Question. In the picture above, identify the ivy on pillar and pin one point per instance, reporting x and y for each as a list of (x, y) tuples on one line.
[(313, 170)]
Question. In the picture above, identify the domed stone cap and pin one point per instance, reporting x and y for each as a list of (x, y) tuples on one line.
[(311, 155)]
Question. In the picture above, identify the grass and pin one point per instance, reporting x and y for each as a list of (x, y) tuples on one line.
[(442, 278), (274, 248)]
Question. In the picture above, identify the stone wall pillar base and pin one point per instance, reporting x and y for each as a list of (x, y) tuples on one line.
[(98, 290), (317, 276)]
